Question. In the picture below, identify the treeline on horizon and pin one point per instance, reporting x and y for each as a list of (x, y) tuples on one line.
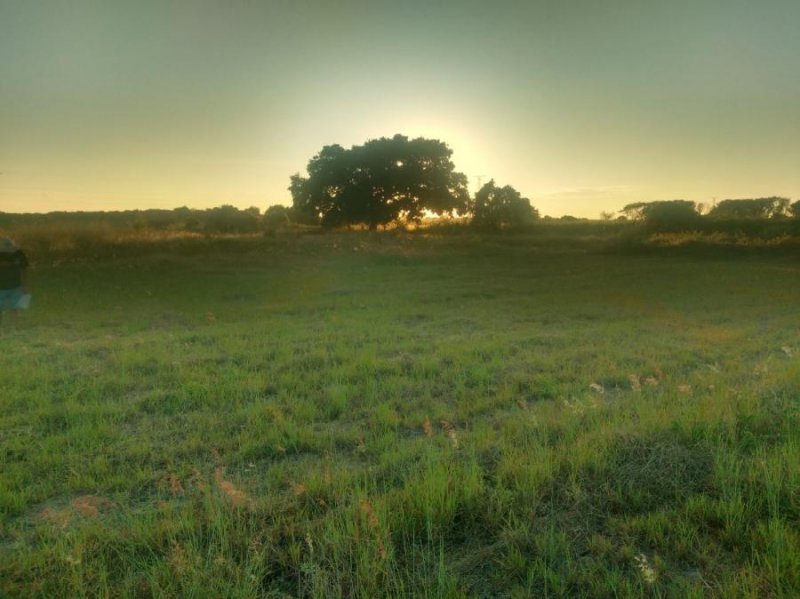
[(399, 182), (221, 219), (745, 215)]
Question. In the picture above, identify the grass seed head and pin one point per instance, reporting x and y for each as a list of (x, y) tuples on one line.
[(451, 434), (648, 573)]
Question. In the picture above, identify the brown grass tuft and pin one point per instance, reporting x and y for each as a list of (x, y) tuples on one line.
[(365, 507), (178, 560), (237, 497), (175, 486), (60, 518), (90, 506)]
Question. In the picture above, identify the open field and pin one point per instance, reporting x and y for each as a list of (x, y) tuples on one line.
[(401, 414)]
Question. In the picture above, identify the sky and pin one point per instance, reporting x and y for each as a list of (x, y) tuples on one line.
[(582, 106)]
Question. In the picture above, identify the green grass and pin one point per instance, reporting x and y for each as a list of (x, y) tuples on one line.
[(367, 415)]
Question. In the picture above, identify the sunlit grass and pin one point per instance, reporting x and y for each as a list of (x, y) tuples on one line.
[(400, 415)]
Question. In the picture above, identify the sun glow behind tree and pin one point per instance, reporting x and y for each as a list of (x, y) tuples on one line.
[(382, 181)]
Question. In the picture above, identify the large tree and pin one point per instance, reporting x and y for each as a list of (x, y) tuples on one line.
[(384, 180)]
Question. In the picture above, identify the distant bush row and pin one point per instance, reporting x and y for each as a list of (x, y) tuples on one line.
[(748, 215), (222, 219), (492, 207)]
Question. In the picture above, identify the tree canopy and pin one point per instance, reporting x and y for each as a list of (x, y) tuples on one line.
[(381, 181), (771, 207), (501, 206), (666, 215)]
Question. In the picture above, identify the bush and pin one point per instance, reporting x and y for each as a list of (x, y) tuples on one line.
[(229, 219), (277, 216), (501, 207), (665, 216)]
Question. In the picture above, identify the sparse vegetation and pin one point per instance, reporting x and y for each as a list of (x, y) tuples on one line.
[(442, 413)]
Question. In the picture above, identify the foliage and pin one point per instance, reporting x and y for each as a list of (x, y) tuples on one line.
[(772, 207), (501, 207), (379, 182), (667, 215), (277, 216), (221, 219), (634, 211), (229, 219), (738, 221)]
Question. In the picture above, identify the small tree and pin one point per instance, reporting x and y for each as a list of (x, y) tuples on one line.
[(794, 209), (501, 207)]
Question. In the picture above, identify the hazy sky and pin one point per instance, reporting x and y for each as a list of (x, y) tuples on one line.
[(583, 106)]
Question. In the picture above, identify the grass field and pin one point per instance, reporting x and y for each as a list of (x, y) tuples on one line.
[(370, 415)]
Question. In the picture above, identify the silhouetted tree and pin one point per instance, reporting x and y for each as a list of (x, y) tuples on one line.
[(501, 206), (772, 207), (634, 211), (667, 215), (794, 209), (379, 182)]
